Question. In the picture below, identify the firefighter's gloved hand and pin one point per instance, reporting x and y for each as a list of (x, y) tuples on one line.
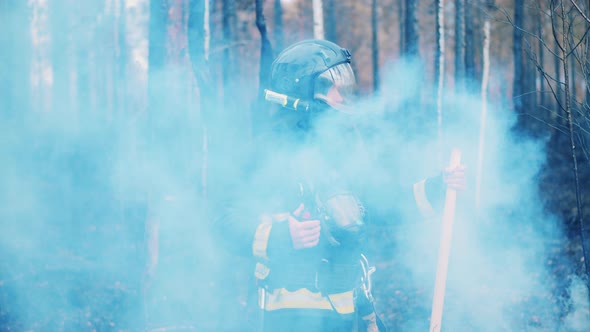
[(454, 178), (304, 233)]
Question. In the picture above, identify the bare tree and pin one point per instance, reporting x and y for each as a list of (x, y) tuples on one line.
[(40, 58), (566, 49), (410, 31), (157, 50), (331, 23), (266, 57), (439, 69), (266, 53), (585, 65), (484, 104), (156, 62), (541, 50), (470, 44), (59, 17), (375, 43), (15, 57), (279, 26), (567, 45), (318, 19), (402, 25), (518, 58), (198, 30), (229, 64), (459, 43), (120, 68)]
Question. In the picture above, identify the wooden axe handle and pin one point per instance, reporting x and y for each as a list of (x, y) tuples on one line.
[(444, 249)]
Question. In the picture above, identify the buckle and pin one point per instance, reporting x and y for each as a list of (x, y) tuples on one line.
[(366, 283), (346, 53)]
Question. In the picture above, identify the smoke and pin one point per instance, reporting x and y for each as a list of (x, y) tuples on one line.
[(83, 174), (505, 261), (81, 183)]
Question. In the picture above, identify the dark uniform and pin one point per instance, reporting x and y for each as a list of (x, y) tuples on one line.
[(325, 287)]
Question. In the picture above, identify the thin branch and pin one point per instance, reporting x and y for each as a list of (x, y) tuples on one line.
[(526, 32), (547, 123), (539, 66), (579, 212), (579, 41), (580, 11)]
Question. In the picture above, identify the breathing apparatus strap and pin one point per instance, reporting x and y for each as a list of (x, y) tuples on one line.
[(366, 283)]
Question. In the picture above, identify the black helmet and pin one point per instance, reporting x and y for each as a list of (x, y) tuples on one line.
[(314, 73)]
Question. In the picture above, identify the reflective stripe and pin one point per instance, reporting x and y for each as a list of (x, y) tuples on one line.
[(280, 217), (261, 237), (261, 271), (421, 199), (305, 299), (371, 322)]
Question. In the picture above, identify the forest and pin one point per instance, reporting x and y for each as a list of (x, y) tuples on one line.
[(126, 120)]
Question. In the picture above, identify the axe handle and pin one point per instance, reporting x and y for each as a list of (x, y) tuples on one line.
[(444, 249)]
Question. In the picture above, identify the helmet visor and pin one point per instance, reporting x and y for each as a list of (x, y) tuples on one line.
[(336, 87)]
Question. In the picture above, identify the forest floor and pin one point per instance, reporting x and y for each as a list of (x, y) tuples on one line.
[(38, 297)]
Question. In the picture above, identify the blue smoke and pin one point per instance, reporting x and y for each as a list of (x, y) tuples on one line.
[(83, 188)]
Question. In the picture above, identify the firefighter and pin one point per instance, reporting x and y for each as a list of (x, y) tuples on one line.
[(298, 213)]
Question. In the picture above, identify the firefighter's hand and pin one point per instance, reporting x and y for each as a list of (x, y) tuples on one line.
[(305, 233), (454, 178)]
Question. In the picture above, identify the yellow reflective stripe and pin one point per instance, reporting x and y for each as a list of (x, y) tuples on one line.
[(371, 321), (280, 217), (261, 237), (263, 232), (421, 199), (261, 271), (305, 299)]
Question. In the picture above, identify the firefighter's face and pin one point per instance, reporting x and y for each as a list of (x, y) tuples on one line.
[(336, 87)]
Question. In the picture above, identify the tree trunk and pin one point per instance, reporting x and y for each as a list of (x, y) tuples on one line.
[(484, 111), (469, 54), (318, 19), (459, 44), (375, 43), (156, 55), (59, 17), (266, 57), (541, 50), (557, 64), (573, 81), (196, 36), (572, 69), (266, 53), (439, 70), (228, 65), (109, 58), (517, 48), (15, 58), (331, 23), (279, 26), (586, 65), (402, 26), (207, 26), (197, 31), (411, 42), (570, 123), (121, 55), (41, 68)]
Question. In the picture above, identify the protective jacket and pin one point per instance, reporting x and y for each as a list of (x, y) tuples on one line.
[(330, 281)]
